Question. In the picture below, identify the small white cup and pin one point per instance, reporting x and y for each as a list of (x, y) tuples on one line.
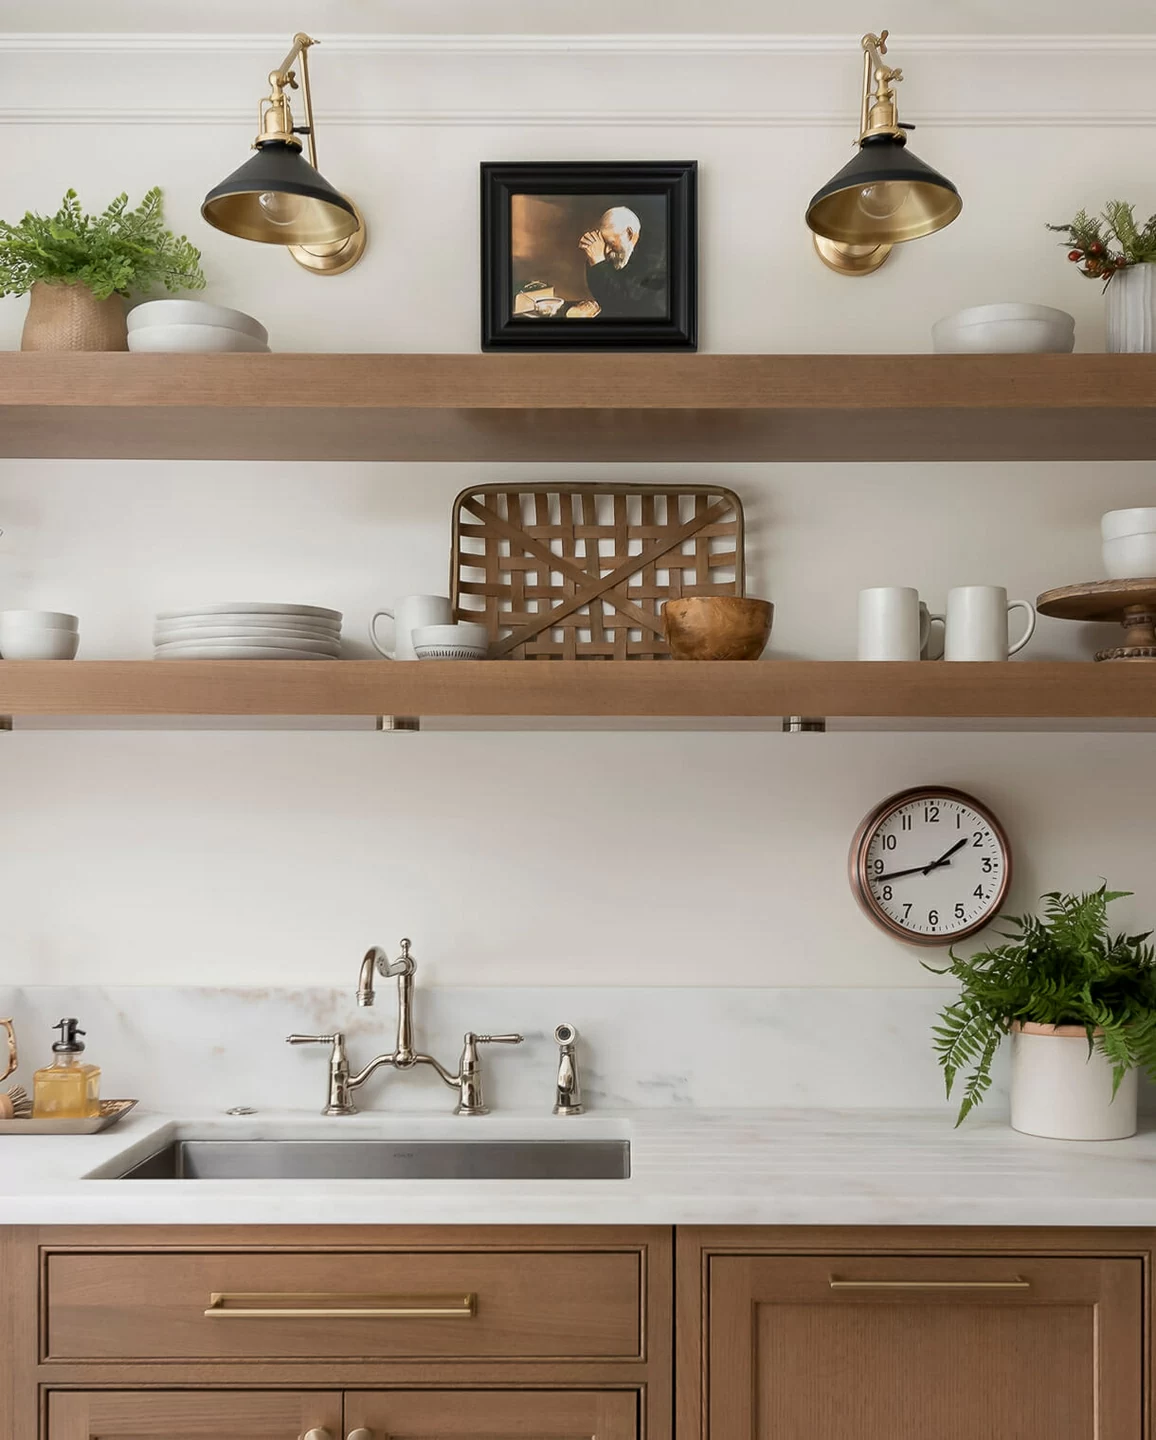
[(977, 626), (42, 642), (894, 624), (408, 614)]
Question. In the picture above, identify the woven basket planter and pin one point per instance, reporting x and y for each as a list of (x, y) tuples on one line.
[(70, 317)]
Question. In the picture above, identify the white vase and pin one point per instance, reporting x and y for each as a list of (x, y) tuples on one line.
[(1132, 310), (1060, 1091)]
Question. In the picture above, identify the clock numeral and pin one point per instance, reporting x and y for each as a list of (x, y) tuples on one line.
[(977, 840), (905, 821), (960, 912), (931, 814), (933, 917), (887, 892), (978, 892), (906, 910), (877, 866), (889, 842), (988, 864)]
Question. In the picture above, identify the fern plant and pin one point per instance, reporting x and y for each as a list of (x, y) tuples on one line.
[(111, 253), (1103, 244), (1064, 969)]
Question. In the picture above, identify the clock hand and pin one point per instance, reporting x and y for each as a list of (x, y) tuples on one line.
[(945, 858)]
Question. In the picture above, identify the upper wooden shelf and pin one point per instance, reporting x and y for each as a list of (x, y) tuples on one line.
[(646, 691), (578, 407)]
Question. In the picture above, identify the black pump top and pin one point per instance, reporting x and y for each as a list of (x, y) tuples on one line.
[(68, 1044)]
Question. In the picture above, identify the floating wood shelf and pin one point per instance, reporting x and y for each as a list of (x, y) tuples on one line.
[(653, 691), (537, 408)]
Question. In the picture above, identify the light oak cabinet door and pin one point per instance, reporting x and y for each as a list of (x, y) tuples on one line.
[(491, 1415), (953, 1348), (193, 1415)]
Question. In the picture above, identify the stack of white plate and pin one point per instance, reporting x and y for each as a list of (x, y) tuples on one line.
[(246, 631), (193, 326)]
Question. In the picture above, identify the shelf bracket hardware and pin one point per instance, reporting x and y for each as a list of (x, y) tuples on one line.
[(804, 725), (401, 724)]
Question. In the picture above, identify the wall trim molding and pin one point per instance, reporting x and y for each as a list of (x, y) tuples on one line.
[(538, 44)]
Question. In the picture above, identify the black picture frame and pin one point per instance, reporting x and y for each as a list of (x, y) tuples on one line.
[(675, 182)]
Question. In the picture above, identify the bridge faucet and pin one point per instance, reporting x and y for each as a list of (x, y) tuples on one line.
[(342, 1083)]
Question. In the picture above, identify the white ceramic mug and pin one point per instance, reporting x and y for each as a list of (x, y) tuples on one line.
[(407, 615), (894, 624), (977, 623)]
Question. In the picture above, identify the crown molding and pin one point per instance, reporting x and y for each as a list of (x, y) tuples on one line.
[(544, 44)]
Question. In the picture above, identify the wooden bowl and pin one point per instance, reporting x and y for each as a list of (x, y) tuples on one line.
[(717, 627)]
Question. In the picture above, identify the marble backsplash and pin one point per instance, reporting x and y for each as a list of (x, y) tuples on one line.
[(187, 1048)]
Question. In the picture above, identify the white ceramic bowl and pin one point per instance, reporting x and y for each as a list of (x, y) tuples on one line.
[(1005, 330), (1130, 557), (466, 632), (42, 644), (194, 312), (1139, 521), (38, 619), (192, 339), (458, 651)]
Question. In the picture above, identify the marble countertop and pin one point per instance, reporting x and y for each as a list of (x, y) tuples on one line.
[(700, 1167)]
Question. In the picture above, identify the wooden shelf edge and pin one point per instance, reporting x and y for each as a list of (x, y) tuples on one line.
[(661, 689)]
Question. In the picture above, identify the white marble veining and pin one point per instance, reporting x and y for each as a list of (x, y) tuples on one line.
[(181, 1048), (790, 1167)]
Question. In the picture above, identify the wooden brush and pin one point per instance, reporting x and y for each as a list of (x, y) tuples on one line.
[(15, 1105)]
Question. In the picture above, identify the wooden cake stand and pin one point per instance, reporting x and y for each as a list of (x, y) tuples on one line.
[(1132, 603)]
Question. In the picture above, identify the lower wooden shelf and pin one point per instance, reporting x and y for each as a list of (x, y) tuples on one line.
[(592, 690)]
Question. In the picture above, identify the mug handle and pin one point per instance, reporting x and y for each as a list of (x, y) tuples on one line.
[(381, 650), (13, 1058), (1030, 610), (926, 620)]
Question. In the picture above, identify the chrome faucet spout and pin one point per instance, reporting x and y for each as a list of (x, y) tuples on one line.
[(375, 959)]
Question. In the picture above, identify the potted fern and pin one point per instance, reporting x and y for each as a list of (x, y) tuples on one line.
[(1080, 1006), (79, 268), (1114, 248)]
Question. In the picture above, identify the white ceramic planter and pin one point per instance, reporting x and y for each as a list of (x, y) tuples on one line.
[(1060, 1091), (1132, 310)]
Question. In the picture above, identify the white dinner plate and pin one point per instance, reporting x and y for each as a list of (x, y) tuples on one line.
[(314, 647), (247, 607), (233, 652), (330, 629), (199, 634)]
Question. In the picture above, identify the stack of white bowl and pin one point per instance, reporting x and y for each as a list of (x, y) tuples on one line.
[(1129, 538), (242, 630), (193, 326), (38, 635)]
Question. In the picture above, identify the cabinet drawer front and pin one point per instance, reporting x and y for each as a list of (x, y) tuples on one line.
[(463, 1305), (191, 1415), (492, 1415)]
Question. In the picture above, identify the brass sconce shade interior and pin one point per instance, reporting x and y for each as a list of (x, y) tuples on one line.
[(278, 197), (884, 194)]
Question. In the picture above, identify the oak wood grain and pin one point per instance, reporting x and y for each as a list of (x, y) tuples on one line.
[(192, 1415), (708, 408), (494, 1415), (670, 688)]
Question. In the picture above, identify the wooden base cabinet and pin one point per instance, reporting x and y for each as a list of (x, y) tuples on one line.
[(895, 1345), (359, 1415)]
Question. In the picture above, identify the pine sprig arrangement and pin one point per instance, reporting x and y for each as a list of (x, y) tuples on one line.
[(111, 253), (1064, 969), (1103, 244)]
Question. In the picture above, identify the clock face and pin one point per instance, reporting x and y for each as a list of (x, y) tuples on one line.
[(931, 865)]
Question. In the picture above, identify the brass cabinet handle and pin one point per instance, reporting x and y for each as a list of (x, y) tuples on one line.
[(226, 1306), (319, 1434), (1019, 1283), (360, 1434)]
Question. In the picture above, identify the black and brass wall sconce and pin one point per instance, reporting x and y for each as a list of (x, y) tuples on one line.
[(278, 197), (885, 194)]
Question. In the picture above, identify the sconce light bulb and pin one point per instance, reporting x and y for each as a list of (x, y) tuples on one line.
[(279, 208), (882, 201)]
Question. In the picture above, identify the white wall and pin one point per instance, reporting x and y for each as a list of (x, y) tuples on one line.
[(253, 859)]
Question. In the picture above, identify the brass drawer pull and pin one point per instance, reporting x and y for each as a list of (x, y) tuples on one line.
[(318, 1435), (226, 1306), (1019, 1283)]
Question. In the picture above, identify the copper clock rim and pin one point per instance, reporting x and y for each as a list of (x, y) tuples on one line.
[(857, 863)]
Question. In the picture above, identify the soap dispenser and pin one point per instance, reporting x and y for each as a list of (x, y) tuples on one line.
[(67, 1089)]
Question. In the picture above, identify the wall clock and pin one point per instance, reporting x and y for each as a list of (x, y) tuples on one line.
[(931, 865)]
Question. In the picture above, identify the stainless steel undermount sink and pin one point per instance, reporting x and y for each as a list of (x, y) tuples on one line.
[(386, 1160)]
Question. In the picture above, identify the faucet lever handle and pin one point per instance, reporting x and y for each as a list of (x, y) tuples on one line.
[(314, 1039), (499, 1039)]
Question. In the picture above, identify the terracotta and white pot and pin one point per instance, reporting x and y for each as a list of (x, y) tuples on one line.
[(1060, 1091), (70, 317), (1131, 299)]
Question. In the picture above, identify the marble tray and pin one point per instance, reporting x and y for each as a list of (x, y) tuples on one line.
[(110, 1112)]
